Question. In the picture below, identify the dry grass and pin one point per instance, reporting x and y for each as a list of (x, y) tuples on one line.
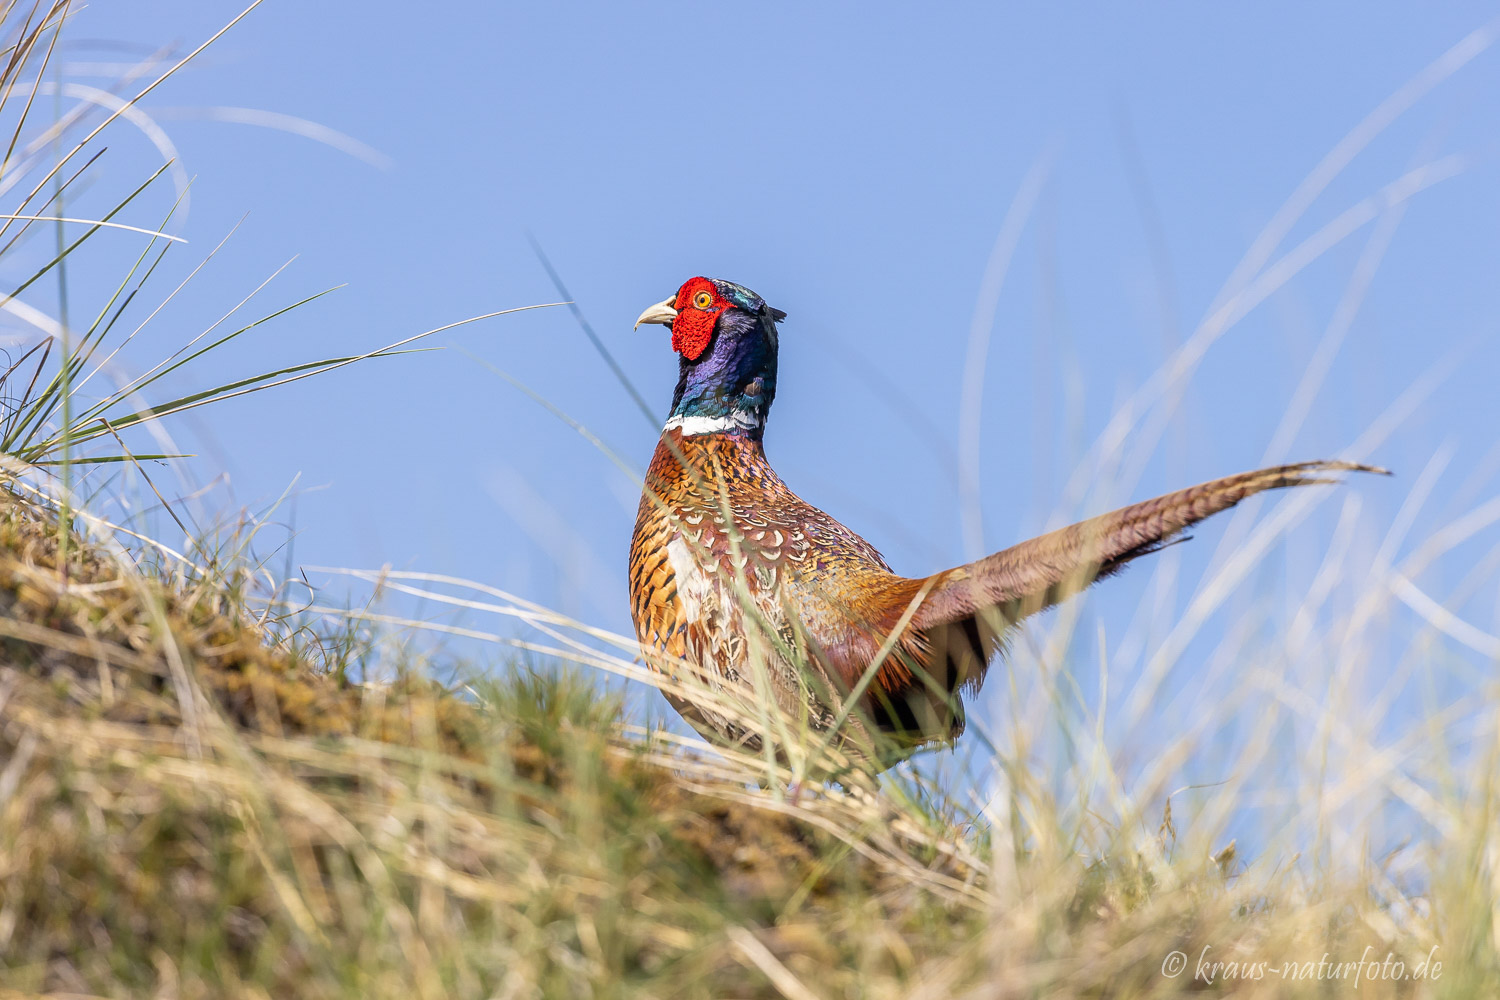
[(187, 807), (193, 806)]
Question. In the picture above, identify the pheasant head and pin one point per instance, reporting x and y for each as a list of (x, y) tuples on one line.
[(725, 336)]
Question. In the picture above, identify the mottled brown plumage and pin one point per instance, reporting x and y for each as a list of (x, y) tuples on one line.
[(755, 602)]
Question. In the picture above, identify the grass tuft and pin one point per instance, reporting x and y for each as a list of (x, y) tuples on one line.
[(187, 803)]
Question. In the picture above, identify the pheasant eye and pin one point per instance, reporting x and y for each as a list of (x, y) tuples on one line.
[(703, 300)]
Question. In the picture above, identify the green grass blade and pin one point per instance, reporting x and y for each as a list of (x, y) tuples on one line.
[(237, 388), (49, 398), (105, 459), (281, 376), (87, 233), (140, 383), (42, 184)]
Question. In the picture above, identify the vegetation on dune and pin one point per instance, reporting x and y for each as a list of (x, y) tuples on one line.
[(192, 805), (186, 802), (203, 795)]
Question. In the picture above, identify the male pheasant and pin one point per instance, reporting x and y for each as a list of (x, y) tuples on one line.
[(766, 616)]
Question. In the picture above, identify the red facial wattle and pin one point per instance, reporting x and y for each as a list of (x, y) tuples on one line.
[(693, 327), (692, 330)]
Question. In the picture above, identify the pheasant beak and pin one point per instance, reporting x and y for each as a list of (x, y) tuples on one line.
[(663, 313)]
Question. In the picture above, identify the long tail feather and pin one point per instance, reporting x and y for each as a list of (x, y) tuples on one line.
[(1025, 578)]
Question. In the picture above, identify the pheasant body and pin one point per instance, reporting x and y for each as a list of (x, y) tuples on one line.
[(732, 570), (749, 600)]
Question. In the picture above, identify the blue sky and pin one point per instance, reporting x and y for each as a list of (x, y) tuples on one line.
[(854, 165)]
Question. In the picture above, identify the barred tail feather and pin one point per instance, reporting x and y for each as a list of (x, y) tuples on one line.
[(968, 609), (1039, 573)]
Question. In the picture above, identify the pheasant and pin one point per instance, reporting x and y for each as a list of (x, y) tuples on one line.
[(765, 615)]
